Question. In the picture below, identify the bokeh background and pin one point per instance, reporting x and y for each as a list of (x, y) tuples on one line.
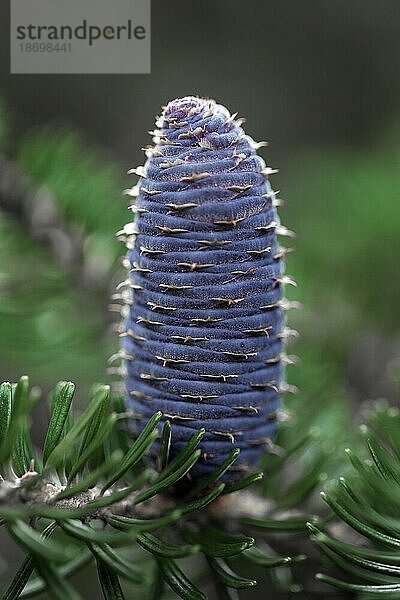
[(320, 81)]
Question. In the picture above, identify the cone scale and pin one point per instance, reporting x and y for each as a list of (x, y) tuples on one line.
[(204, 327)]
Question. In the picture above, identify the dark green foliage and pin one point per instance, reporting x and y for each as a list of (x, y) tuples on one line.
[(368, 501), (94, 502)]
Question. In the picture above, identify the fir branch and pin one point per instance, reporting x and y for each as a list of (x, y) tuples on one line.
[(367, 501), (114, 501)]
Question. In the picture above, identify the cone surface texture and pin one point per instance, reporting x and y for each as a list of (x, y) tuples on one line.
[(204, 311)]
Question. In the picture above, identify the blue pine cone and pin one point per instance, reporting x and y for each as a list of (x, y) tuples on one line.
[(203, 336)]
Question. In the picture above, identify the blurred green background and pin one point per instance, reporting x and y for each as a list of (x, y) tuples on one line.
[(320, 81)]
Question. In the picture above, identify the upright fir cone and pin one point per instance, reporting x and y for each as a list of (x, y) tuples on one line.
[(203, 336)]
